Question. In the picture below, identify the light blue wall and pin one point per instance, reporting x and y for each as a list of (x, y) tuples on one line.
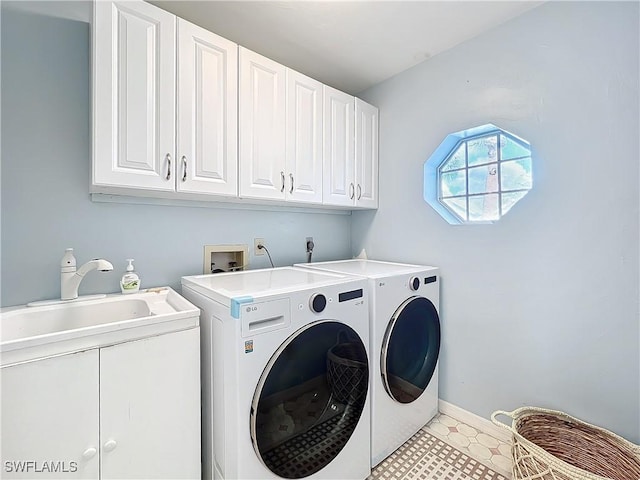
[(45, 184), (542, 307)]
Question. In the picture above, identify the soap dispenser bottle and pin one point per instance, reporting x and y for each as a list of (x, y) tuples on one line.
[(130, 281)]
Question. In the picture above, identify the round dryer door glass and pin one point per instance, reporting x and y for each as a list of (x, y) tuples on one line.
[(309, 399), (410, 349)]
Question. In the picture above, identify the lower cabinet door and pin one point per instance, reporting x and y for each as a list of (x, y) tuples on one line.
[(150, 408), (49, 414)]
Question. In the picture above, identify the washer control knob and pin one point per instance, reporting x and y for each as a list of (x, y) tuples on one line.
[(414, 283), (318, 302)]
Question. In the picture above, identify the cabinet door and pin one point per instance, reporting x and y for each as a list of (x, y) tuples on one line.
[(261, 126), (50, 418), (304, 138), (207, 112), (366, 155), (133, 96), (338, 153), (150, 408)]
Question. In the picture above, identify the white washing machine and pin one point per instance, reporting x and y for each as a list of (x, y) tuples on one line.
[(285, 374), (405, 345)]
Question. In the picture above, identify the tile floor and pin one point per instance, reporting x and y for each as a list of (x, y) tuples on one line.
[(488, 450), (428, 454)]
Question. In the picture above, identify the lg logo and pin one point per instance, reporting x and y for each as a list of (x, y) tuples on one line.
[(252, 309)]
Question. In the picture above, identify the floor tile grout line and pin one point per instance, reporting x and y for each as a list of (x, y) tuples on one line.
[(395, 468), (486, 462), (490, 465)]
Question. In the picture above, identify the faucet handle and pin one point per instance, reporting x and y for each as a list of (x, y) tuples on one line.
[(68, 260)]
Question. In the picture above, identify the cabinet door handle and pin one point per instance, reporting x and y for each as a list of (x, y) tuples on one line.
[(282, 175), (351, 191), (89, 453), (110, 445), (184, 168), (168, 157), (291, 176), (359, 192)]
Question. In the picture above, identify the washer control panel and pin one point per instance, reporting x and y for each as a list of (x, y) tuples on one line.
[(414, 283), (317, 302)]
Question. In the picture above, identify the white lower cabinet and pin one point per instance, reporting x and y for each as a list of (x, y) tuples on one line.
[(50, 413), (130, 410)]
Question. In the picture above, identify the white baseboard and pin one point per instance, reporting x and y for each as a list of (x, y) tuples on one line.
[(475, 421)]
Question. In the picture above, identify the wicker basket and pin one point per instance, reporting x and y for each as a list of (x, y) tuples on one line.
[(551, 445)]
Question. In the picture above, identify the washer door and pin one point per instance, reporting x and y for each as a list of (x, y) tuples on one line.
[(309, 399), (410, 349)]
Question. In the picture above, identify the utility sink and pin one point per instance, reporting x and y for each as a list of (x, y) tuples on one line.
[(27, 333)]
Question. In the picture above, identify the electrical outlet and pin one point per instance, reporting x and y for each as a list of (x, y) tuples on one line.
[(256, 242), (309, 244)]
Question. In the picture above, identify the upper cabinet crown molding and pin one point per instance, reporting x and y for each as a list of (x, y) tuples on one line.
[(182, 113)]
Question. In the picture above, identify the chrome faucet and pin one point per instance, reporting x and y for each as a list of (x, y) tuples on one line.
[(70, 278)]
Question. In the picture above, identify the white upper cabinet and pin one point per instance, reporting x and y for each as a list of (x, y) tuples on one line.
[(207, 150), (303, 165), (136, 90), (350, 151), (134, 85), (366, 152), (262, 103), (280, 132), (182, 113), (339, 165)]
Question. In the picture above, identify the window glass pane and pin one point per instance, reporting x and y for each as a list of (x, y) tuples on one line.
[(482, 150), (516, 174), (453, 183), (483, 179), (510, 199), (483, 207), (511, 149), (458, 206), (456, 160)]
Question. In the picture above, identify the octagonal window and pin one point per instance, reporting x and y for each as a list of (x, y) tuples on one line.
[(477, 175)]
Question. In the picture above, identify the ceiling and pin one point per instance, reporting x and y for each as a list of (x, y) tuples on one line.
[(350, 45)]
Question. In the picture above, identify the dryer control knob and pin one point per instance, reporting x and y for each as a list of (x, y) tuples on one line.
[(318, 302), (414, 283)]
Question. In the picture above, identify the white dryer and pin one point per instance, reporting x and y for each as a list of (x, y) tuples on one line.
[(405, 345), (285, 380)]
